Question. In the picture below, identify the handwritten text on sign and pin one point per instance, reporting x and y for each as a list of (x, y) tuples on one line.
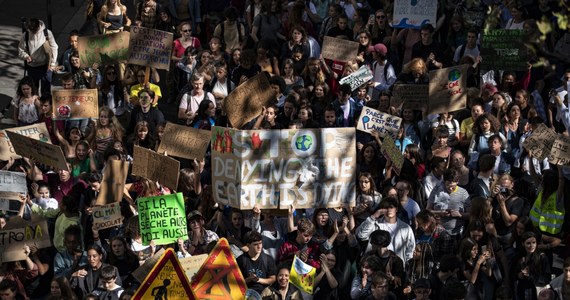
[(75, 104), (375, 120), (358, 78), (150, 47), (411, 96), (45, 153), (36, 131), (339, 49), (154, 166), (162, 219), (13, 239), (560, 153), (447, 89), (103, 49), (107, 216), (247, 100), (540, 142), (276, 168), (504, 49), (184, 141)]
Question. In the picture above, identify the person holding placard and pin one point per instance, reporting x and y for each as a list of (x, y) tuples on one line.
[(198, 237), (146, 112)]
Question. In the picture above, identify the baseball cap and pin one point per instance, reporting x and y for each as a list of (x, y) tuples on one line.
[(380, 48)]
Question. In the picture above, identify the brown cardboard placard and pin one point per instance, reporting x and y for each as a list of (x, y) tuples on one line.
[(184, 141), (411, 96), (150, 47), (156, 167), (37, 131), (540, 142), (18, 232), (447, 89), (45, 153), (113, 182), (75, 104), (103, 49), (107, 216), (246, 101), (339, 49), (560, 153)]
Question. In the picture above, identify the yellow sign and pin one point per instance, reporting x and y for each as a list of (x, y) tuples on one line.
[(219, 277), (166, 281), (302, 275)]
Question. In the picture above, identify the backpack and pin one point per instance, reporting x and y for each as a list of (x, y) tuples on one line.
[(386, 67), (46, 46), (240, 35)]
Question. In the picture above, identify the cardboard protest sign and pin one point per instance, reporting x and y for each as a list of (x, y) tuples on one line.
[(150, 47), (8, 203), (107, 216), (413, 96), (184, 141), (12, 184), (375, 120), (219, 276), (560, 153), (391, 152), (447, 89), (358, 78), (414, 14), (166, 280), (540, 142), (302, 275), (113, 182), (36, 131), (339, 49), (75, 104), (44, 153), (504, 49), (103, 49), (245, 102), (141, 272), (18, 232), (162, 219), (156, 167), (191, 265), (276, 168)]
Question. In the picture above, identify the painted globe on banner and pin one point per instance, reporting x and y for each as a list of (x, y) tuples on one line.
[(304, 142), (454, 75)]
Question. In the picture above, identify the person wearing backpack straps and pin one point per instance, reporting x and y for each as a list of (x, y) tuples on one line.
[(471, 47), (382, 70), (38, 49), (230, 31)]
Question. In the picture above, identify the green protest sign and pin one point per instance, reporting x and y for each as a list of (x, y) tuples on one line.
[(103, 49), (162, 219), (504, 49)]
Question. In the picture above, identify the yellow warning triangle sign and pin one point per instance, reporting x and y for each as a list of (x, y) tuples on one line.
[(219, 277), (165, 281)]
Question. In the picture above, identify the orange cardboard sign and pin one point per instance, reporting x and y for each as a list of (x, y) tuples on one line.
[(166, 280), (219, 277)]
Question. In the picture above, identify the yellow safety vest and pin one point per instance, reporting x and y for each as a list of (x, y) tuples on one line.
[(547, 217)]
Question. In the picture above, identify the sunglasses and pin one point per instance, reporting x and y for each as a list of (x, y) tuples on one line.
[(187, 30), (381, 17)]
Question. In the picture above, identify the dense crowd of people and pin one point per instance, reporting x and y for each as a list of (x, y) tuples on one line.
[(471, 215)]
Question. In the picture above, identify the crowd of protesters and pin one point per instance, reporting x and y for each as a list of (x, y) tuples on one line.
[(471, 215)]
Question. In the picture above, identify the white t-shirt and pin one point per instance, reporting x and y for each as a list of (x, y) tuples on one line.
[(195, 101)]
